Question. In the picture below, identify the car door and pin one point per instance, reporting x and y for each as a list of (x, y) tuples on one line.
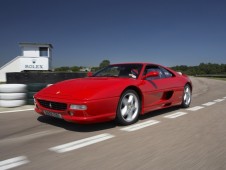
[(161, 89)]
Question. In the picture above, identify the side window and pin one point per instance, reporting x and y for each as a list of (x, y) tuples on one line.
[(166, 73)]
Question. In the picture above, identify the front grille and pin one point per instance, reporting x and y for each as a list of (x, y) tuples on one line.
[(53, 105)]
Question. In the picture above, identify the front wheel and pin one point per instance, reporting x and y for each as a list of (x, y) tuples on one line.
[(129, 107), (186, 99)]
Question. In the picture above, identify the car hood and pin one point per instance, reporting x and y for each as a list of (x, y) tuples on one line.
[(87, 88)]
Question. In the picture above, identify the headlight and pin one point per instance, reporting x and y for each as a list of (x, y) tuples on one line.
[(78, 107)]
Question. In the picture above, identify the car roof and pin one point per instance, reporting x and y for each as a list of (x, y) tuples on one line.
[(142, 63)]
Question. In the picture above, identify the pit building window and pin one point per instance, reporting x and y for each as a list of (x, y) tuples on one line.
[(43, 51)]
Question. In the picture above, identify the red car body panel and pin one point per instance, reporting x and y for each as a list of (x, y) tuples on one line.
[(101, 95)]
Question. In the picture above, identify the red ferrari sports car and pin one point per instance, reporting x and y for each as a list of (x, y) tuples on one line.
[(119, 91)]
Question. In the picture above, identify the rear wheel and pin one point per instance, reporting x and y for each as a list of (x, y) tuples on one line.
[(186, 99), (129, 107)]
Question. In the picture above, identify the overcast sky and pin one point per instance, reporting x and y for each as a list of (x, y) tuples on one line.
[(85, 32)]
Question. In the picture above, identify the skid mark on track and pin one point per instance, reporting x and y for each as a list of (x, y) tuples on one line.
[(11, 111), (30, 136)]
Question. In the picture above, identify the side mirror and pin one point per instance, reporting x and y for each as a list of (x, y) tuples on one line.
[(151, 74), (90, 74)]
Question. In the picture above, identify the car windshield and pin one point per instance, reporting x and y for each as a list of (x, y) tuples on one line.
[(120, 70)]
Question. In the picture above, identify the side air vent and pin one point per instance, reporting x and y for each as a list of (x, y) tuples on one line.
[(167, 95)]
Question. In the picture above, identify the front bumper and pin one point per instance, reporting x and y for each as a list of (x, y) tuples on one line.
[(97, 110)]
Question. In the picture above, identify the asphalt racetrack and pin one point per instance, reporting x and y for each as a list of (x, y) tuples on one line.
[(172, 139)]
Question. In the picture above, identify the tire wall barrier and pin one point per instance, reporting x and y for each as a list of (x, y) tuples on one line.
[(15, 95), (21, 87), (33, 88), (47, 78)]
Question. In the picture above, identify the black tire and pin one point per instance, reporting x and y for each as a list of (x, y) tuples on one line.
[(30, 95), (30, 101), (129, 107), (186, 98), (35, 87)]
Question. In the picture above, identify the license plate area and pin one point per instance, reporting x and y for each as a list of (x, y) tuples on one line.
[(52, 114)]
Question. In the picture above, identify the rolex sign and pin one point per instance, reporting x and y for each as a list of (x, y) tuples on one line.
[(35, 63)]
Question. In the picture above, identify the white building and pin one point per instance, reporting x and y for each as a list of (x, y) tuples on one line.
[(85, 69), (35, 56)]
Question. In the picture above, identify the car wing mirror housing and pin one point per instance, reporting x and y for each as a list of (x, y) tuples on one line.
[(151, 74), (89, 74)]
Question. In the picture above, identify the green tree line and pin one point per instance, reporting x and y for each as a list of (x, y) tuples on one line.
[(103, 64), (202, 69)]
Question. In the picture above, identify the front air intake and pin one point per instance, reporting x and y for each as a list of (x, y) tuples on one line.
[(53, 105)]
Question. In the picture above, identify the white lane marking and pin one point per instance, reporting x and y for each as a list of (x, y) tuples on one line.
[(209, 103), (81, 143), (11, 111), (174, 115), (13, 162), (195, 108), (224, 97), (219, 100), (140, 125)]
